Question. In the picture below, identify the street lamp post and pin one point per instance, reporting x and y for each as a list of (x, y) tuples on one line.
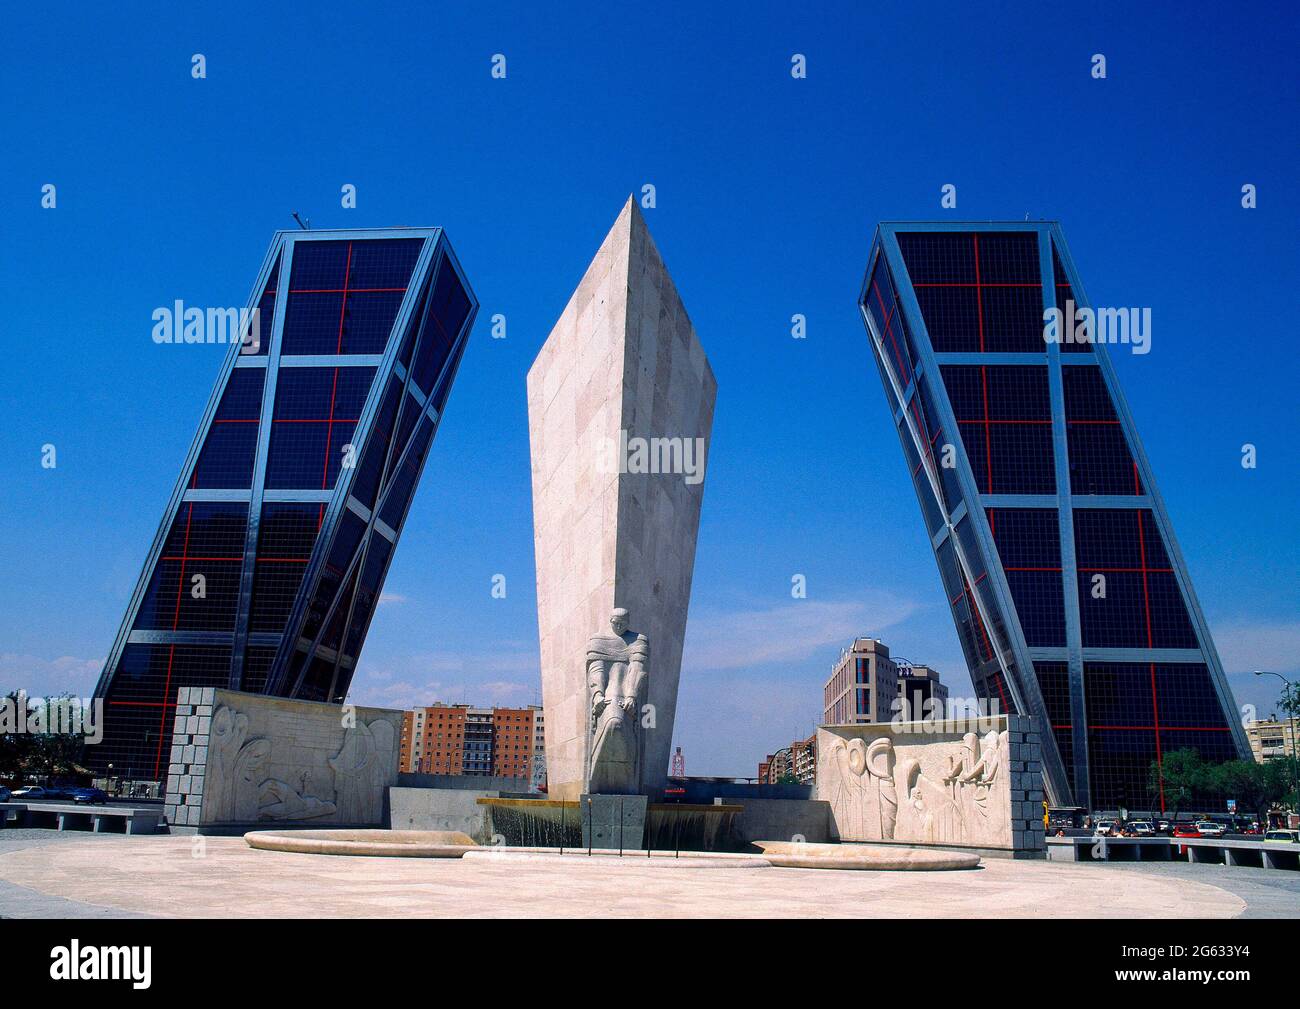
[(1288, 700)]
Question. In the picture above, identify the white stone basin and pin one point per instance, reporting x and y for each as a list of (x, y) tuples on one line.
[(792, 855), (389, 843)]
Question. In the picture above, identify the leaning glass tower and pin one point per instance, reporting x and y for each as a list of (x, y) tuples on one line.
[(272, 551), (1070, 596)]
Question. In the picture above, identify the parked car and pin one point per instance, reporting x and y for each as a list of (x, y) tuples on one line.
[(30, 793), (1164, 827), (92, 796), (1140, 828), (1105, 828), (1283, 836), (1209, 828), (1186, 830)]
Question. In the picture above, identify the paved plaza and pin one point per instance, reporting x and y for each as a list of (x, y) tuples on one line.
[(44, 873)]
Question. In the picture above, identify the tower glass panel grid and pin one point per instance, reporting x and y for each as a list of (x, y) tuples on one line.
[(268, 563), (1070, 596)]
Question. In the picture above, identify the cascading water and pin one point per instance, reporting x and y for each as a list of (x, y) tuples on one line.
[(674, 827), (554, 823), (535, 823)]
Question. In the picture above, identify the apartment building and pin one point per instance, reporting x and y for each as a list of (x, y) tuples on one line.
[(465, 739)]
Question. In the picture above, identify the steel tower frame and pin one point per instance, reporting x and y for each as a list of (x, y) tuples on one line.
[(1013, 657), (411, 326)]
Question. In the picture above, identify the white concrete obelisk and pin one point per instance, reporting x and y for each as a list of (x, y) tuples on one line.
[(620, 407)]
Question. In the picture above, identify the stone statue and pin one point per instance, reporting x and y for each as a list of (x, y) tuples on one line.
[(617, 666)]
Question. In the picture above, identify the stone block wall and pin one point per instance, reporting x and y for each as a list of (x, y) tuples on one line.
[(183, 803), (240, 759)]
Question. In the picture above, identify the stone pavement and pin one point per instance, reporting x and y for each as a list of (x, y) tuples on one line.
[(24, 902), (87, 875)]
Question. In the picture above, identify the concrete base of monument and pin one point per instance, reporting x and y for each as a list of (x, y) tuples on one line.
[(627, 822), (704, 815), (801, 855), (612, 821), (383, 843), (612, 858)]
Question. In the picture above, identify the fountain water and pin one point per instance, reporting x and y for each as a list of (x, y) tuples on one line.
[(534, 823), (556, 823)]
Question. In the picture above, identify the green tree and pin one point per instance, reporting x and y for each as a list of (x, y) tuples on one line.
[(49, 753), (1256, 787), (15, 747), (1182, 775), (1289, 702)]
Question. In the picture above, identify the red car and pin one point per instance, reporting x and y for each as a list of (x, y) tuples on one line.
[(1186, 830)]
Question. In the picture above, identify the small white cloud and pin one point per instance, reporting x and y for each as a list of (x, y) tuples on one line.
[(503, 692), (1249, 645), (390, 597), (789, 632), (374, 690), (504, 676), (726, 723), (45, 677), (402, 694), (501, 662)]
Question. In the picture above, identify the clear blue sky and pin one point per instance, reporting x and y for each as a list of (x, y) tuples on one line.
[(768, 191)]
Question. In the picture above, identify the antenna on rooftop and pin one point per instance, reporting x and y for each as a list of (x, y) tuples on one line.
[(304, 224)]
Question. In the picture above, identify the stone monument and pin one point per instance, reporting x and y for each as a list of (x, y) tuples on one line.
[(964, 784), (240, 759), (620, 407), (617, 666)]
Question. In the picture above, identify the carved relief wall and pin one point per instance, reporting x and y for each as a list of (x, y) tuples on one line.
[(241, 758), (972, 785)]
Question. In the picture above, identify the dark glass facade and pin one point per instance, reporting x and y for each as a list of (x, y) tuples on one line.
[(274, 547), (1070, 600)]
